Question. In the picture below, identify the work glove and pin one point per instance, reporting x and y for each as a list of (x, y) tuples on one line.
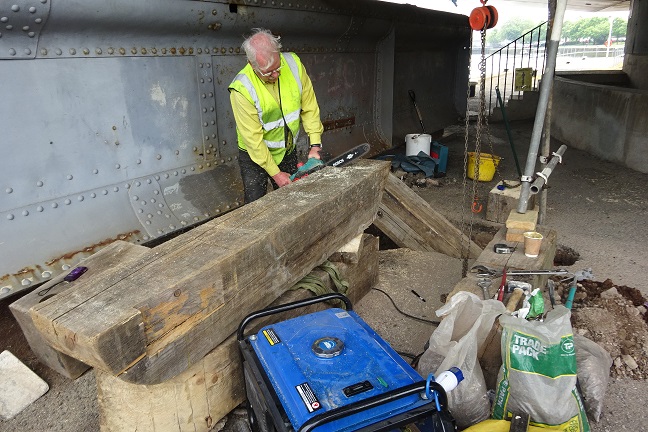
[(309, 167)]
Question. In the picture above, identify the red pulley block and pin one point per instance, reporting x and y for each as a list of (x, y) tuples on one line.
[(483, 17)]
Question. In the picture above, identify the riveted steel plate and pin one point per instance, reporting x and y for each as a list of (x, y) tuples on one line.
[(21, 22)]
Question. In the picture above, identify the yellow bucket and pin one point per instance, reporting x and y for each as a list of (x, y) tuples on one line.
[(487, 165)]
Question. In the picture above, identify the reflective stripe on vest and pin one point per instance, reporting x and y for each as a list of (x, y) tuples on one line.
[(273, 135)]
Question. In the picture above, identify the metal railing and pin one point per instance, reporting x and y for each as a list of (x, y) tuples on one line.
[(527, 51)]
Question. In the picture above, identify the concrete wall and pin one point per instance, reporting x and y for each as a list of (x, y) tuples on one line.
[(635, 66), (609, 122)]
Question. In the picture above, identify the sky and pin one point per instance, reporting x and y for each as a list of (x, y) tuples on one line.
[(506, 11)]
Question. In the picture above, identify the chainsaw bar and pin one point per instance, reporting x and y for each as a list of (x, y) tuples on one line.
[(344, 159)]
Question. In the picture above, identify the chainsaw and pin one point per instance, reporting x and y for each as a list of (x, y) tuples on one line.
[(345, 158)]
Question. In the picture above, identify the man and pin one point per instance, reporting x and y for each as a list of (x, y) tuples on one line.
[(270, 97)]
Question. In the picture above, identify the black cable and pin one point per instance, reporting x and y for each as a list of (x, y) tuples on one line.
[(406, 314)]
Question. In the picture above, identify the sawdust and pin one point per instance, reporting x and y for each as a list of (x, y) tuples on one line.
[(615, 317)]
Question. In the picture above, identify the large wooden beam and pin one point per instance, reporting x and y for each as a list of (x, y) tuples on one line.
[(199, 397), (412, 223), (161, 314)]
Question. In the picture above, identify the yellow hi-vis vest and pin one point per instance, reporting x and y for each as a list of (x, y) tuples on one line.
[(250, 85)]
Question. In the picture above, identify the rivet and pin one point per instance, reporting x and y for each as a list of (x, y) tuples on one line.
[(200, 166), (160, 205), (15, 8), (135, 198), (58, 51), (183, 171), (133, 50), (172, 227), (227, 207), (67, 201), (156, 192), (175, 173), (207, 137), (27, 51), (204, 110), (157, 177), (9, 190), (117, 166), (172, 50), (86, 51), (70, 177), (122, 51), (43, 51), (208, 164), (25, 282), (149, 181), (143, 202), (138, 184), (148, 222), (229, 158), (38, 20), (208, 151), (80, 198), (72, 51), (98, 51), (65, 267), (93, 195), (177, 152), (144, 51), (104, 192), (39, 208), (164, 50), (158, 157), (222, 160), (195, 149), (159, 212), (224, 142), (46, 274), (9, 27), (95, 171), (25, 28), (39, 183), (166, 175), (116, 189), (10, 216), (183, 223), (209, 79), (176, 293), (154, 50), (12, 52), (140, 210), (139, 161), (223, 50), (201, 65), (206, 50), (44, 1), (4, 19), (153, 200), (54, 205), (111, 51), (116, 142), (205, 124), (193, 168), (145, 238), (204, 95), (196, 218)]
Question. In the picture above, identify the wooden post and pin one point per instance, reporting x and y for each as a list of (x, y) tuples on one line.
[(165, 312)]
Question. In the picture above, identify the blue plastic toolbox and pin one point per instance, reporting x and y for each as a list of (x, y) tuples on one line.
[(329, 371)]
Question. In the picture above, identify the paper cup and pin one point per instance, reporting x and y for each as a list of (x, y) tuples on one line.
[(532, 242)]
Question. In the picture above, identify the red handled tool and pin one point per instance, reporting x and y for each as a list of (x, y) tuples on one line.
[(500, 292)]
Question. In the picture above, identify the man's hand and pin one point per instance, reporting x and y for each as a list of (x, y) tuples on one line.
[(281, 178), (314, 153)]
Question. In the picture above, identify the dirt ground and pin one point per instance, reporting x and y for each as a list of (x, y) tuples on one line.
[(599, 211)]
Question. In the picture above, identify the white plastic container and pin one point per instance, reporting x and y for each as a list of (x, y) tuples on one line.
[(415, 143), (450, 378)]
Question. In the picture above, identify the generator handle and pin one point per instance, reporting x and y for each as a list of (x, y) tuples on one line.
[(354, 408), (289, 306)]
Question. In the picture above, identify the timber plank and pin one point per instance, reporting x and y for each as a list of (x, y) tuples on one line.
[(199, 397), (168, 313), (412, 223)]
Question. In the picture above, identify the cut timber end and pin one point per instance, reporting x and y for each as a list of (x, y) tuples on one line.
[(519, 223), (170, 309), (410, 222)]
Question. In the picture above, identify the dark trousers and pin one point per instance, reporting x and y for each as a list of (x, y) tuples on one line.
[(255, 178)]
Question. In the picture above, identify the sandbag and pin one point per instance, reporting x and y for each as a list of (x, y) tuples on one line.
[(467, 321), (538, 373), (594, 365)]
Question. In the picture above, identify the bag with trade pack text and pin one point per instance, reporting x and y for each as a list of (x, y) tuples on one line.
[(538, 374)]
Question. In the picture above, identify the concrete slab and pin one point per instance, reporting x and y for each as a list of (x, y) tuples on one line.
[(19, 386), (401, 271)]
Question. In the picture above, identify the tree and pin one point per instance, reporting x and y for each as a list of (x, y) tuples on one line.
[(511, 30)]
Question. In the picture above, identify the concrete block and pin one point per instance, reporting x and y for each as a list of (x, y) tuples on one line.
[(523, 221), (19, 386), (501, 202)]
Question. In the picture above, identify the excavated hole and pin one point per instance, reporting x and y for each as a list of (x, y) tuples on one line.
[(565, 256)]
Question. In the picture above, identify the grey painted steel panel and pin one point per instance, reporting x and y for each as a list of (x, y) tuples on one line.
[(117, 122)]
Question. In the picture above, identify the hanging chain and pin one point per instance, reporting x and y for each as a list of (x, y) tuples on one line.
[(481, 119)]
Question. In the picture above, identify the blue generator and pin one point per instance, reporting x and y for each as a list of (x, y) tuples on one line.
[(329, 371)]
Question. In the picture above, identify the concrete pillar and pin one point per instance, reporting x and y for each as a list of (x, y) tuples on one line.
[(636, 46)]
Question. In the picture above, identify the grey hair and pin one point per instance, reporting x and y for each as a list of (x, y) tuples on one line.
[(263, 42)]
